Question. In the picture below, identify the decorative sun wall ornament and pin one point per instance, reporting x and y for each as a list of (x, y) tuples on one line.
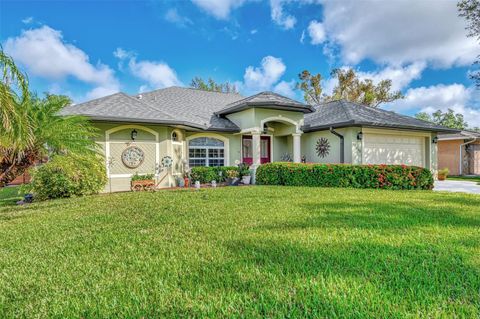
[(167, 161), (322, 147), (132, 157)]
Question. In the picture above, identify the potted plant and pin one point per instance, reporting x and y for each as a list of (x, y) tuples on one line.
[(180, 181), (142, 182), (186, 178), (443, 173), (244, 173), (232, 177)]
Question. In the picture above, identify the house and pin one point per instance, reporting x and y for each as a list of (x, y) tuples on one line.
[(168, 130), (459, 152)]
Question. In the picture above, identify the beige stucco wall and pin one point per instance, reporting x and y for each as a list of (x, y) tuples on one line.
[(154, 140), (309, 142)]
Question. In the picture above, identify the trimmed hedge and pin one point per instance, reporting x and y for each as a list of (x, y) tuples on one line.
[(344, 175), (208, 174)]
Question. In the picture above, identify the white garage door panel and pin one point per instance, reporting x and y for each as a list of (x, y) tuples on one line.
[(393, 149)]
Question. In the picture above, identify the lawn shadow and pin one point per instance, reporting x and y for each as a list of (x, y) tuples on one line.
[(379, 216)]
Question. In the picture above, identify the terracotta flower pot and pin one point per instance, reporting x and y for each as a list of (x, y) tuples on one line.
[(441, 177)]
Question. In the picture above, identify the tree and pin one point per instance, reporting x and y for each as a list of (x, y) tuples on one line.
[(470, 10), (50, 134), (13, 93), (448, 119), (212, 86), (351, 88), (311, 86)]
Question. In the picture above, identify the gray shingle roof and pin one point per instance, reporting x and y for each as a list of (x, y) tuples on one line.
[(462, 135), (343, 113), (194, 106), (118, 106), (173, 106), (266, 100), (202, 109)]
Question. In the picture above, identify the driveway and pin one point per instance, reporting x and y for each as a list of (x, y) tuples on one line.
[(457, 186)]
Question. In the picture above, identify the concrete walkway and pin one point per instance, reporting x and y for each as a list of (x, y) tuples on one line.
[(457, 186)]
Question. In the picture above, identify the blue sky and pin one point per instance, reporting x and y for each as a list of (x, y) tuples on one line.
[(87, 49)]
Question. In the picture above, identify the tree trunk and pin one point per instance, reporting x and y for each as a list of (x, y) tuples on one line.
[(11, 169)]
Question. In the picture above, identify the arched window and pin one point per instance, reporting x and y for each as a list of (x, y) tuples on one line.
[(174, 137), (206, 151)]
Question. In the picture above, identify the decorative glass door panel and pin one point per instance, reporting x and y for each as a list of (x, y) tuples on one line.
[(247, 149)]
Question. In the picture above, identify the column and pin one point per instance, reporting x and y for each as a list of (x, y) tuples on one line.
[(256, 149), (297, 150), (255, 154)]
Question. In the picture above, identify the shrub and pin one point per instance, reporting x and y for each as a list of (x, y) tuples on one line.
[(344, 175), (68, 175), (208, 174)]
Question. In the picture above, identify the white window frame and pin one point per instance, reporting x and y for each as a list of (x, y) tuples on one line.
[(207, 158)]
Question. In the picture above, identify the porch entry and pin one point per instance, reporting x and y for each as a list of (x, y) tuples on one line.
[(247, 149)]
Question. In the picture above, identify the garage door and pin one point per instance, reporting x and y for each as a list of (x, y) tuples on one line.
[(393, 149)]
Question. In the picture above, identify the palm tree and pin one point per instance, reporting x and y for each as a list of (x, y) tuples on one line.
[(13, 93), (51, 134), (32, 128)]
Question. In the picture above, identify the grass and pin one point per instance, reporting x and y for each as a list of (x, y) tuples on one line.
[(9, 195), (243, 252), (465, 178)]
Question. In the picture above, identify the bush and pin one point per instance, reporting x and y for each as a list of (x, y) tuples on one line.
[(68, 175), (208, 174), (343, 175)]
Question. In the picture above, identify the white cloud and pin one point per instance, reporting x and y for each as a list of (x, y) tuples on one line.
[(429, 99), (401, 76), (399, 32), (285, 88), (44, 53), (157, 74), (286, 21), (27, 20), (173, 16), (220, 9), (264, 77), (253, 31), (302, 37), (316, 31)]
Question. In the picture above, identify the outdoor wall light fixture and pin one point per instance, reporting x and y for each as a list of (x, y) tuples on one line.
[(435, 140), (134, 134), (359, 136)]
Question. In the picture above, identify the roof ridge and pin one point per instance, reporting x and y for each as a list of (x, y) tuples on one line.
[(345, 109), (189, 88)]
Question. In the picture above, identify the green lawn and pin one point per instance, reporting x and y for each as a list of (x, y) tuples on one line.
[(243, 252), (465, 178), (9, 196)]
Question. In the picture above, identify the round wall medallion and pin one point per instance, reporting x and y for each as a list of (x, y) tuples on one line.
[(167, 161), (132, 157), (322, 147)]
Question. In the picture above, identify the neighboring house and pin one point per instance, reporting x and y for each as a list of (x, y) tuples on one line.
[(463, 145), (198, 128)]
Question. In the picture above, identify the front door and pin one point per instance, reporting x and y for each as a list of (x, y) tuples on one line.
[(247, 149)]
